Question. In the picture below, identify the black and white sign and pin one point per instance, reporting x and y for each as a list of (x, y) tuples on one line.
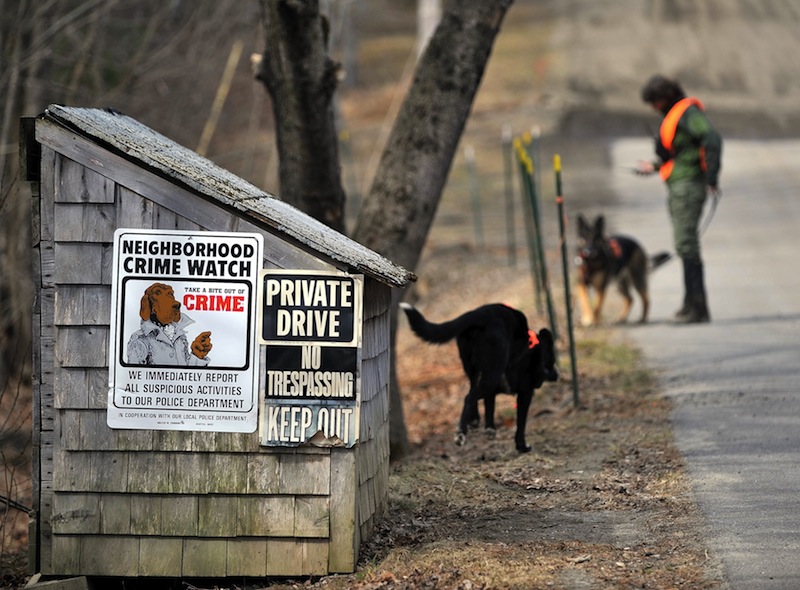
[(183, 346), (309, 307), (311, 324)]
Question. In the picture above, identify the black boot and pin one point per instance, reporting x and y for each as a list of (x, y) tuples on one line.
[(683, 312), (696, 293)]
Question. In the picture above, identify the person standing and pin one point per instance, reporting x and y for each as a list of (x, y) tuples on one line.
[(688, 156)]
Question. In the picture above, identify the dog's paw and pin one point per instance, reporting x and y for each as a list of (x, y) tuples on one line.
[(490, 432), (460, 439), (475, 423), (524, 448), (587, 322)]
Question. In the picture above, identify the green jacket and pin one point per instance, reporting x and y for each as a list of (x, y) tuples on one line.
[(694, 132)]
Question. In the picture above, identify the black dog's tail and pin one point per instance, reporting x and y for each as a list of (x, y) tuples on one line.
[(659, 259), (437, 333)]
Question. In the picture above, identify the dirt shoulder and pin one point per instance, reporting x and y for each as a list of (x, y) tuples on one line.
[(602, 501)]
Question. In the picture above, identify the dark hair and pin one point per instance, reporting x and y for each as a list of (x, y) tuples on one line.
[(661, 88)]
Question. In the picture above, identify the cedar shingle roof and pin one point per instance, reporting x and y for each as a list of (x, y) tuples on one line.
[(138, 143)]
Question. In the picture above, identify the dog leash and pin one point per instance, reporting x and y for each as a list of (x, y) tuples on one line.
[(715, 197)]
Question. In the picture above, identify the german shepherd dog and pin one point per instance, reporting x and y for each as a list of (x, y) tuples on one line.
[(617, 258), (499, 355)]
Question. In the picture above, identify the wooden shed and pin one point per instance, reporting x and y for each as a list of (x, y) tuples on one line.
[(182, 498)]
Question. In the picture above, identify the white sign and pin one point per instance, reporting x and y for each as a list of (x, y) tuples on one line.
[(311, 323), (183, 352)]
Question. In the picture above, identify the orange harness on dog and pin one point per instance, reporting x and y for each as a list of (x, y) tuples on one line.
[(533, 339), (616, 249)]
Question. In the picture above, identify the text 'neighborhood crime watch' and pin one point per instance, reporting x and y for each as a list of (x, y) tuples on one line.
[(200, 259)]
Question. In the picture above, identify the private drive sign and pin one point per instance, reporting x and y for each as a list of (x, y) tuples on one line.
[(311, 324), (183, 353)]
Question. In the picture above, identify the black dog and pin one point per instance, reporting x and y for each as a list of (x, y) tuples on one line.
[(499, 354)]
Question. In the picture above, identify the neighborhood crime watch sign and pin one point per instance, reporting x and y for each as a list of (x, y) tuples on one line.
[(311, 323), (183, 349)]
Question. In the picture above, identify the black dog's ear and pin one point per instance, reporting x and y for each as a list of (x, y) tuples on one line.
[(599, 225), (584, 229), (547, 357), (546, 336)]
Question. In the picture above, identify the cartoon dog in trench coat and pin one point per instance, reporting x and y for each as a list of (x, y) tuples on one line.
[(161, 339)]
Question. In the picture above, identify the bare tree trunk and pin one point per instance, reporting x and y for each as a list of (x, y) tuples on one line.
[(301, 78), (414, 166), (397, 215)]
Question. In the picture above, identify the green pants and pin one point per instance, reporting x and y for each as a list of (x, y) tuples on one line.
[(685, 203)]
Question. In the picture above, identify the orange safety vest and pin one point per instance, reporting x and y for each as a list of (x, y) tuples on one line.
[(667, 133)]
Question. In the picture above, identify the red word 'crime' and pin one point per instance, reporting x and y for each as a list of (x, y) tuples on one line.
[(213, 302)]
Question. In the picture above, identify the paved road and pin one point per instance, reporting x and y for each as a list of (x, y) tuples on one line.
[(736, 381)]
